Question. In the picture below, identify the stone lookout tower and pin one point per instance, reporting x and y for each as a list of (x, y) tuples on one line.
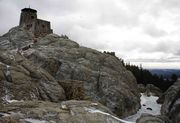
[(29, 21)]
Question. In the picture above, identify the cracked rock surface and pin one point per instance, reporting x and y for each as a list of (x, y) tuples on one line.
[(33, 71)]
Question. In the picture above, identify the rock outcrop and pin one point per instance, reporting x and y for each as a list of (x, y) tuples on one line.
[(65, 112), (39, 67), (171, 102), (104, 78), (149, 89), (153, 90), (16, 38), (152, 119), (22, 80), (141, 88)]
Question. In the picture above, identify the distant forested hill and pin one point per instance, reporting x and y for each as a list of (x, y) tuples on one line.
[(160, 78), (165, 72)]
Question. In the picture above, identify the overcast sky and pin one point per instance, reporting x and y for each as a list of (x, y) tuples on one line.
[(140, 31)]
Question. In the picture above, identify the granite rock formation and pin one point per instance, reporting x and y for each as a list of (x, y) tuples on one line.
[(153, 90), (65, 112), (171, 102), (150, 89), (22, 80), (152, 119), (53, 58), (141, 88)]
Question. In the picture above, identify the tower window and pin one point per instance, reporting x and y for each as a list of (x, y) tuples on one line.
[(43, 26), (32, 17)]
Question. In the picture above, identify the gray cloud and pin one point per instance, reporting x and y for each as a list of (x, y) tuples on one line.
[(132, 28), (154, 31)]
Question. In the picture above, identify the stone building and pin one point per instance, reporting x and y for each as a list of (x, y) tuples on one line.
[(29, 21)]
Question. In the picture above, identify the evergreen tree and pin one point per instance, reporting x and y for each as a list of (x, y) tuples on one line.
[(174, 77), (145, 77)]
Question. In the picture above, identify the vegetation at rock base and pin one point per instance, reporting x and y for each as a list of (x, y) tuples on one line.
[(145, 77), (73, 89)]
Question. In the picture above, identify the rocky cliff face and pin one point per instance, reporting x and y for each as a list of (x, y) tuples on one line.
[(64, 112), (145, 118), (34, 71), (171, 102), (150, 89), (22, 80)]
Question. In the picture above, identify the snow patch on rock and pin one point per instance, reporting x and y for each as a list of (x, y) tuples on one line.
[(30, 120), (147, 103), (4, 114), (93, 110)]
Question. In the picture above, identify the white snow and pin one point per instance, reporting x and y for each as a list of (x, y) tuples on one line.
[(148, 102), (12, 57), (4, 114), (2, 63), (34, 120), (10, 114), (7, 99), (93, 110), (63, 106), (7, 70), (33, 96), (19, 114), (11, 101), (27, 52), (94, 104)]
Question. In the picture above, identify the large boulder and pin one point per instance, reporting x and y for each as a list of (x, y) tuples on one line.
[(150, 89), (171, 102), (153, 90), (104, 77), (145, 118), (141, 88), (17, 37), (22, 80), (65, 112)]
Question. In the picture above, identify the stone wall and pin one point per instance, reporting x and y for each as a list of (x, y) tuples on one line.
[(28, 16), (42, 28), (29, 21)]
